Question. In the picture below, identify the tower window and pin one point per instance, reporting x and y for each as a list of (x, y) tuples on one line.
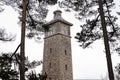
[(49, 65), (50, 78), (69, 31), (65, 30), (65, 67), (52, 30), (65, 52), (50, 50)]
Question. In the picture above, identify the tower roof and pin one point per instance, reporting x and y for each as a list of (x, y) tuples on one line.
[(58, 18)]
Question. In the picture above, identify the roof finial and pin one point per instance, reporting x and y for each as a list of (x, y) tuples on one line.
[(57, 14)]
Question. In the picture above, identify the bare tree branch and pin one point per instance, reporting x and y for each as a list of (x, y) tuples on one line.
[(16, 50)]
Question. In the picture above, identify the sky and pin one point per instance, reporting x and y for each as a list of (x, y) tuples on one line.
[(87, 63)]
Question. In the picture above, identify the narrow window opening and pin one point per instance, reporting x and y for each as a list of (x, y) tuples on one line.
[(50, 50), (50, 79), (49, 65), (65, 52), (69, 31), (65, 67)]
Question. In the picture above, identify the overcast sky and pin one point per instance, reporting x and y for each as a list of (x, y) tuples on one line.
[(87, 63)]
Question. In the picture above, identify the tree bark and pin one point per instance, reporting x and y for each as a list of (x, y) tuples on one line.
[(22, 48), (106, 41)]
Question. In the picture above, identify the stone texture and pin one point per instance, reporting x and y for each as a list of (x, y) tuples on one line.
[(57, 57)]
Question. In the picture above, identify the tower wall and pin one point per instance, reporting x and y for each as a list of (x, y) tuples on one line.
[(57, 57)]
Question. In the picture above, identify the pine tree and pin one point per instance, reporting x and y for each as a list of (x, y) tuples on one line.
[(98, 20), (6, 71), (4, 36), (31, 21)]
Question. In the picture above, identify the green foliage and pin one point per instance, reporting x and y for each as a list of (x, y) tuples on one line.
[(6, 73), (36, 14), (99, 24), (117, 69), (118, 13), (91, 30), (48, 2), (84, 8), (5, 37), (34, 76)]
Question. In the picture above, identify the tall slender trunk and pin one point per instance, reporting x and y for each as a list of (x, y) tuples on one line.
[(22, 48), (106, 41)]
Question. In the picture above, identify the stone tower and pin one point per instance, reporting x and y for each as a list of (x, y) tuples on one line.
[(57, 58)]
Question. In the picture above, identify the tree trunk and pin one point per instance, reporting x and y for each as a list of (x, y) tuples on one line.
[(106, 41), (22, 48)]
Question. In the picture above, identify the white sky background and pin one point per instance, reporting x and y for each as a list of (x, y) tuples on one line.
[(87, 63)]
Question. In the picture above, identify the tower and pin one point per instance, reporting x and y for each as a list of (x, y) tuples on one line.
[(57, 57)]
